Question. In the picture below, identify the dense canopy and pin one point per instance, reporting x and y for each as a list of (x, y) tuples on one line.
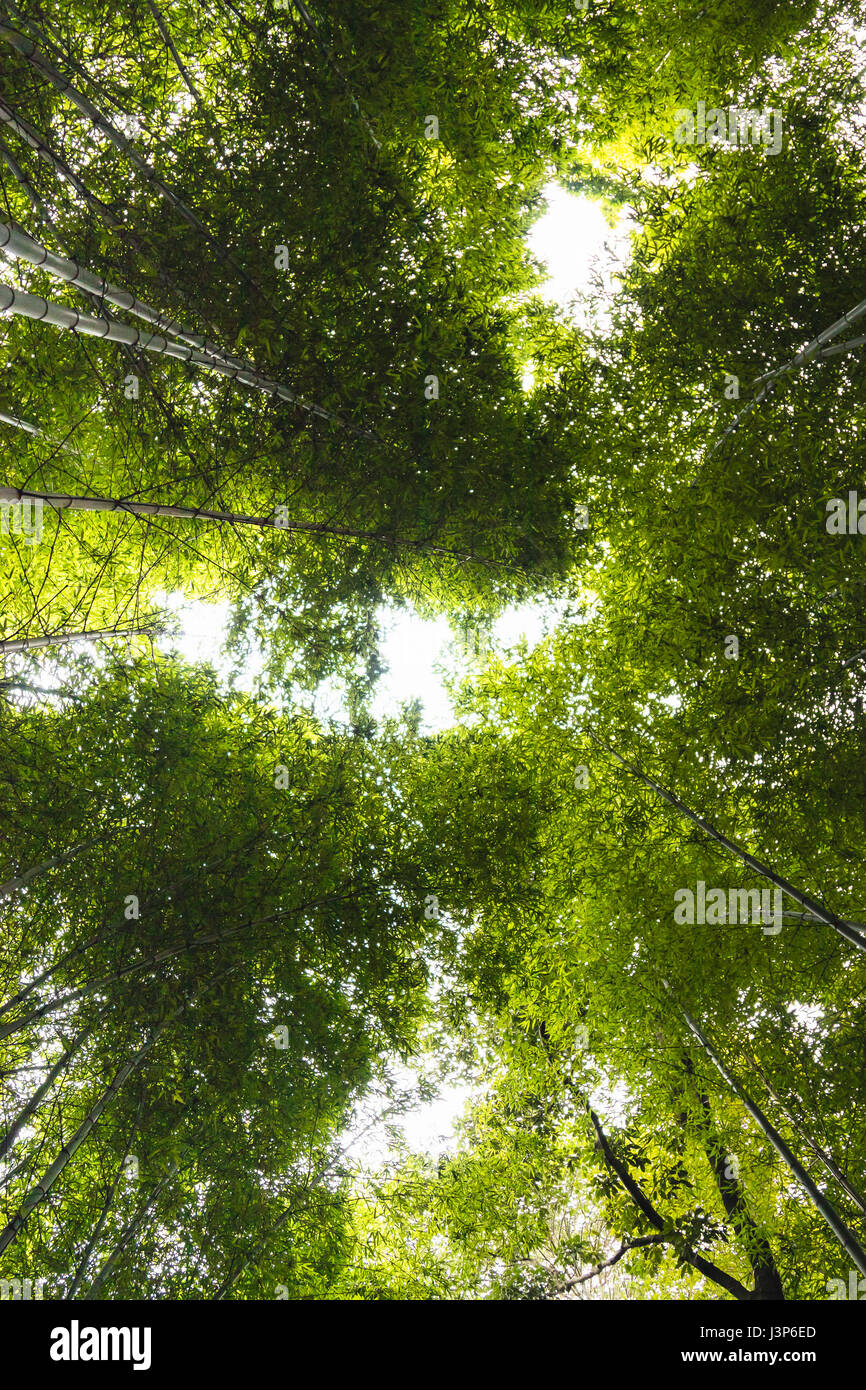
[(273, 337)]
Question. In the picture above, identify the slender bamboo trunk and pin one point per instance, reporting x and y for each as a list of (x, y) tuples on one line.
[(38, 690), (102, 211), (846, 1237), (26, 132), (37, 1194), (17, 244), (63, 54), (215, 938), (20, 246), (821, 1153), (187, 79), (816, 348), (19, 424), (51, 969), (844, 928), (56, 444), (22, 180), (29, 51), (33, 306), (332, 63), (121, 922), (127, 1233), (17, 1025), (62, 501), (59, 639), (35, 1101), (838, 348), (103, 1215), (768, 1283), (13, 884), (805, 918), (117, 924), (71, 955)]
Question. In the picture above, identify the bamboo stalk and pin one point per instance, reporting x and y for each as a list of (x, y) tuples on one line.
[(21, 178), (35, 1100), (712, 1271), (821, 1153), (846, 1237), (32, 306), (119, 923), (332, 63), (37, 1194), (59, 639), (31, 137), (37, 60), (103, 1215), (823, 914), (813, 349), (62, 501), (157, 958), (182, 69), (13, 884), (40, 1191), (19, 424), (17, 244), (127, 1233)]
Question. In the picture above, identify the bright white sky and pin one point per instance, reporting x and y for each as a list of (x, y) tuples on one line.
[(570, 238), (575, 242)]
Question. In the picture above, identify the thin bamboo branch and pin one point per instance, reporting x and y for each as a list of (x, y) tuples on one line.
[(639, 1243)]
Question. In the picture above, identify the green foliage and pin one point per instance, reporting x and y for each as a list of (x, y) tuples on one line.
[(217, 945)]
